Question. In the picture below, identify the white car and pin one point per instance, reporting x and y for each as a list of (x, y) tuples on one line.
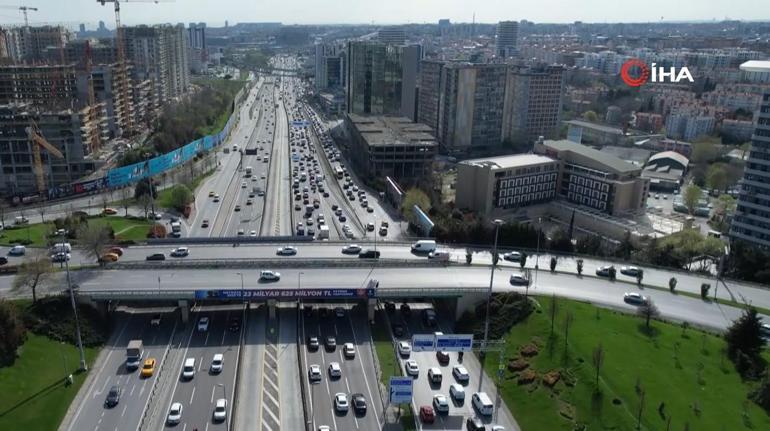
[(269, 275), (203, 324), (220, 410), (341, 402), (351, 249), (314, 374), (243, 184), (349, 350), (412, 368), (324, 428), (253, 233), (631, 271), (335, 370), (461, 374), (635, 298), (180, 252), (404, 349), (440, 403), (457, 392), (174, 413), (287, 251), (513, 256), (217, 363)]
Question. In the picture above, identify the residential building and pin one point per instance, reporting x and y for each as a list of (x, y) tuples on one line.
[(392, 35), (751, 222), (502, 183), (648, 122), (507, 39), (738, 130), (46, 85), (689, 125), (533, 102), (430, 88), (159, 53), (383, 146), (589, 133), (330, 66), (597, 180), (382, 78), (196, 43)]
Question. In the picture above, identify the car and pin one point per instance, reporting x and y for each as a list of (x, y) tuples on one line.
[(518, 280), (435, 376), (249, 202), (314, 373), (604, 271), (441, 403), (404, 349), (269, 275), (217, 363), (109, 257), (252, 233), (243, 184), (335, 370), (634, 298), (351, 249), (426, 414), (205, 223), (461, 374), (235, 325), (60, 257), (349, 350), (370, 226), (412, 368), (341, 402), (457, 392), (174, 414), (109, 211), (115, 250), (286, 251), (631, 271), (330, 343), (216, 198), (211, 193), (405, 309), (155, 320), (474, 424), (113, 396), (237, 208), (241, 232), (312, 343), (17, 250), (148, 367), (383, 231), (442, 357), (513, 256), (180, 252), (156, 256), (203, 324), (339, 311), (359, 403), (369, 254), (220, 410), (369, 209)]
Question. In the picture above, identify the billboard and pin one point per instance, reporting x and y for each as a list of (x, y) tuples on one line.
[(288, 294)]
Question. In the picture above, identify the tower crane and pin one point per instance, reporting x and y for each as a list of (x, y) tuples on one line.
[(39, 141), (23, 10)]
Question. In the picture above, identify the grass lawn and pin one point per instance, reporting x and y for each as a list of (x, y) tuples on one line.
[(685, 370), (33, 232), (32, 391), (125, 229)]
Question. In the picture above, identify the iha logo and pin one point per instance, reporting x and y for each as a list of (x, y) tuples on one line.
[(635, 72)]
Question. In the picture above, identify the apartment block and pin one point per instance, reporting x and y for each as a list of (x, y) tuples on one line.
[(392, 35), (29, 44), (533, 102), (429, 94), (751, 222)]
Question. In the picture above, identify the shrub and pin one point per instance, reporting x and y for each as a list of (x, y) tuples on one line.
[(157, 231), (13, 332), (52, 317)]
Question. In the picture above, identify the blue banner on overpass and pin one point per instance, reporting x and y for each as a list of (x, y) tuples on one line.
[(285, 294)]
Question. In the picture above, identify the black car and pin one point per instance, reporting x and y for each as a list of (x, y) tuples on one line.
[(3, 260), (331, 343), (390, 307), (443, 357), (235, 325), (369, 254), (156, 256), (405, 309), (308, 310), (474, 424), (113, 397), (312, 343), (359, 403), (323, 312)]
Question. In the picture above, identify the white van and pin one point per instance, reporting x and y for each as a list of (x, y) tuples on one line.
[(20, 220), (483, 404), (188, 370), (424, 246)]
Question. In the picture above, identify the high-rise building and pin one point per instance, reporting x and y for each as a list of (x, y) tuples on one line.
[(159, 54), (751, 222), (470, 110), (29, 44), (507, 39), (382, 78), (196, 42), (533, 101), (443, 26), (430, 87), (330, 70), (392, 35)]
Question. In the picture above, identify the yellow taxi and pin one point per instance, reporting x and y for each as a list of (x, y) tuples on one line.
[(148, 368)]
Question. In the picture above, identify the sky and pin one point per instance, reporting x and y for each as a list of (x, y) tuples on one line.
[(215, 12)]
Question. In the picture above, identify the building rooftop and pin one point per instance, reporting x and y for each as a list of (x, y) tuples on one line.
[(756, 66), (510, 161), (610, 161), (670, 155), (596, 126), (391, 131)]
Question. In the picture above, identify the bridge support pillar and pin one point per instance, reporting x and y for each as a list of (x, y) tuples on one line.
[(371, 305), (271, 303), (468, 302), (184, 307)]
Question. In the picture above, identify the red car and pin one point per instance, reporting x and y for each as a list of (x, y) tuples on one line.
[(426, 414)]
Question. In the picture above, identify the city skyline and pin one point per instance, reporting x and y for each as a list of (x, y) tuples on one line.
[(356, 12)]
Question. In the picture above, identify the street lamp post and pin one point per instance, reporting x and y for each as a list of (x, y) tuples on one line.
[(83, 365), (243, 298), (497, 223), (537, 253)]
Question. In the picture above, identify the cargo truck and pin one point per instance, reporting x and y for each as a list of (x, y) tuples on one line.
[(323, 232), (134, 353)]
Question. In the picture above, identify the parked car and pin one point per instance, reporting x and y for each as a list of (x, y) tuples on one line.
[(513, 256), (603, 271)]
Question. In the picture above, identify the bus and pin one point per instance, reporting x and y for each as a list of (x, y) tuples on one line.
[(338, 171)]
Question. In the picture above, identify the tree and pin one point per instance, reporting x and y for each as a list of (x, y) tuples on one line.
[(745, 334), (648, 310), (414, 196), (3, 208), (41, 210), (144, 187), (612, 273), (672, 284), (639, 277), (704, 152), (145, 201), (125, 198), (692, 194), (12, 330), (704, 290), (157, 231), (33, 272), (580, 266), (94, 238), (554, 310), (598, 361), (590, 116), (560, 241), (716, 177), (523, 260), (181, 196), (553, 263)]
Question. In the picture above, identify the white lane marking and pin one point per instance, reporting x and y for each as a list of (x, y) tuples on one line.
[(124, 410), (192, 395), (212, 394), (176, 381), (361, 362), (131, 393)]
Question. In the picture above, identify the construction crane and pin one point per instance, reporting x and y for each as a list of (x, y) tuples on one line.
[(122, 55), (23, 10), (39, 141)]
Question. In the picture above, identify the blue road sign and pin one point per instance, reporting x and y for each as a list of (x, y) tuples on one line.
[(423, 342), (400, 390), (454, 342)]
